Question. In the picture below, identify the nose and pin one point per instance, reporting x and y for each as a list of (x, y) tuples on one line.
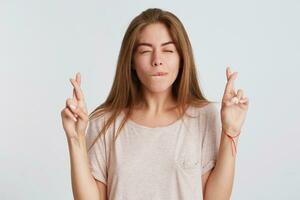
[(156, 59), (156, 63)]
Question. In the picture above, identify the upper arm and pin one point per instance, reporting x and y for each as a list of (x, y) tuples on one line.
[(204, 180), (102, 189)]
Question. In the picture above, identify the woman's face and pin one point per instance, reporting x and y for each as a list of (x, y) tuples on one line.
[(156, 53)]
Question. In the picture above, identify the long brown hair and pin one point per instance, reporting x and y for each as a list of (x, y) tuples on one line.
[(126, 89)]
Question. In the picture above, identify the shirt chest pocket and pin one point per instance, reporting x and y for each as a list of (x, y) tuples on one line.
[(189, 153), (189, 161)]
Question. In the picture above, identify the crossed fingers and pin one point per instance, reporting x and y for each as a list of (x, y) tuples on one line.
[(230, 93)]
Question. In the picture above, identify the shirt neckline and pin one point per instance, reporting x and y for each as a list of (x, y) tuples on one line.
[(153, 128), (135, 124)]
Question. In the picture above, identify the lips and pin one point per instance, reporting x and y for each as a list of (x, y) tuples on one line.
[(160, 74)]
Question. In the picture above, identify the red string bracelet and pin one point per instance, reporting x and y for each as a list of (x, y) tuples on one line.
[(233, 144)]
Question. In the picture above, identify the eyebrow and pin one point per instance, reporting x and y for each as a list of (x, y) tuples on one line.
[(150, 45)]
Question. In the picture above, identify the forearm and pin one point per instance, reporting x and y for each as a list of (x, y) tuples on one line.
[(84, 186), (220, 182)]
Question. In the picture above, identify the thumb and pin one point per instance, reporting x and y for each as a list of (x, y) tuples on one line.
[(81, 114)]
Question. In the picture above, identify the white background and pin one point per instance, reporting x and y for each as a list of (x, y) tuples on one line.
[(44, 43)]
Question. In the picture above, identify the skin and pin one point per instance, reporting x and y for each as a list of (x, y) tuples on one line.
[(75, 121), (157, 110), (156, 53), (218, 183)]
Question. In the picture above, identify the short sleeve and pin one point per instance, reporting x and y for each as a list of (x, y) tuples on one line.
[(97, 154), (211, 139)]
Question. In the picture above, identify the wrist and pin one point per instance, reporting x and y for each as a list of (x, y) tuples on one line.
[(231, 132), (78, 141), (231, 137)]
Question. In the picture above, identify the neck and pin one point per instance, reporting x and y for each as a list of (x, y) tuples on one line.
[(158, 102)]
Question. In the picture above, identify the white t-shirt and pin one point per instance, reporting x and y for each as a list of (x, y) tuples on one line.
[(158, 163)]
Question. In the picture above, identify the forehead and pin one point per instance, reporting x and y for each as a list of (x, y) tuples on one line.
[(155, 34)]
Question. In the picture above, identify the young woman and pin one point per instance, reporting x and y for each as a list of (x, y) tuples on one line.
[(156, 136)]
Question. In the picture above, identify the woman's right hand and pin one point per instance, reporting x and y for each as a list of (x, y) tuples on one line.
[(75, 115)]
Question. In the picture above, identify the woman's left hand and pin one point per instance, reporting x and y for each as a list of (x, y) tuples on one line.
[(234, 106)]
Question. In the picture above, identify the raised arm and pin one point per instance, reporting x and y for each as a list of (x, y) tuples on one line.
[(75, 121)]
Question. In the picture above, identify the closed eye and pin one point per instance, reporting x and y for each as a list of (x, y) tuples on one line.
[(170, 51), (144, 52)]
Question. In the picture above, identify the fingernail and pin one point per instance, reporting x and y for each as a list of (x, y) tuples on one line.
[(74, 119), (73, 107), (235, 100)]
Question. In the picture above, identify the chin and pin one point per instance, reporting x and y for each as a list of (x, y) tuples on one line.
[(158, 88)]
